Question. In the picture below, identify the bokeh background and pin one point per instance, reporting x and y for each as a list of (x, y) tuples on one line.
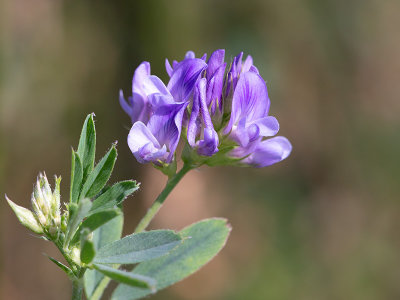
[(323, 224)]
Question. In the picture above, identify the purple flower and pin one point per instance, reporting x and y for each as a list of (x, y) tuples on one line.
[(144, 84), (249, 116), (157, 141), (200, 125), (184, 78), (250, 124), (200, 97)]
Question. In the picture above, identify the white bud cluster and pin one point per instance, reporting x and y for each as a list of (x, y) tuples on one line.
[(46, 204)]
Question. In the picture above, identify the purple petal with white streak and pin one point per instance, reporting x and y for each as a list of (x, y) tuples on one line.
[(215, 61), (166, 125), (184, 78), (200, 119), (214, 89), (250, 100)]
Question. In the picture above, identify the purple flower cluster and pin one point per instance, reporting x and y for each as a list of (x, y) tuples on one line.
[(222, 113)]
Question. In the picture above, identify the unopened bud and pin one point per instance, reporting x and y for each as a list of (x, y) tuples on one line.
[(46, 203), (25, 217), (64, 222), (57, 220), (42, 219), (76, 255), (53, 230)]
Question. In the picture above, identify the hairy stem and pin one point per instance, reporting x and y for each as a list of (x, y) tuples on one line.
[(155, 207), (77, 289)]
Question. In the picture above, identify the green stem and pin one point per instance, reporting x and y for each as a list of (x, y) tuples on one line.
[(77, 289), (155, 207), (71, 264)]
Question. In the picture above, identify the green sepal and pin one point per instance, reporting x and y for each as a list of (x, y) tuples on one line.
[(100, 175), (87, 247), (127, 278), (94, 221), (63, 267), (192, 158), (87, 145), (203, 240), (25, 217), (76, 177), (167, 169), (114, 196), (138, 247)]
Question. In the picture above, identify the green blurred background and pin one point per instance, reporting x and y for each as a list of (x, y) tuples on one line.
[(323, 224)]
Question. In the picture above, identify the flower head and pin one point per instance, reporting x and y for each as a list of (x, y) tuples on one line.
[(216, 108)]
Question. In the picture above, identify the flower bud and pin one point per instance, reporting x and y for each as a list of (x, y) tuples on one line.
[(46, 203), (76, 255), (26, 217)]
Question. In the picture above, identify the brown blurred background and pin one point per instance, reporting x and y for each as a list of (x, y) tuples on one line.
[(324, 224)]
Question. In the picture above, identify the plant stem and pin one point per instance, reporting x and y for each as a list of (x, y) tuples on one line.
[(77, 289), (155, 207)]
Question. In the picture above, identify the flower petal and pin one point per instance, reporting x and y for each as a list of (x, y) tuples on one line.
[(190, 54), (184, 78), (250, 100), (269, 152), (166, 125), (145, 84), (157, 100), (214, 89), (248, 63), (200, 121), (209, 145), (268, 126), (168, 67), (194, 122), (215, 61), (125, 106), (140, 138), (140, 109)]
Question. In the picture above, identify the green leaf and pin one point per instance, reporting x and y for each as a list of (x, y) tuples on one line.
[(87, 247), (94, 281), (87, 145), (138, 247), (100, 175), (76, 217), (114, 195), (135, 280), (25, 217), (76, 177), (63, 267), (94, 221), (203, 241)]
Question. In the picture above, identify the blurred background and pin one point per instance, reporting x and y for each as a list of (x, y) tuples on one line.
[(323, 224)]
